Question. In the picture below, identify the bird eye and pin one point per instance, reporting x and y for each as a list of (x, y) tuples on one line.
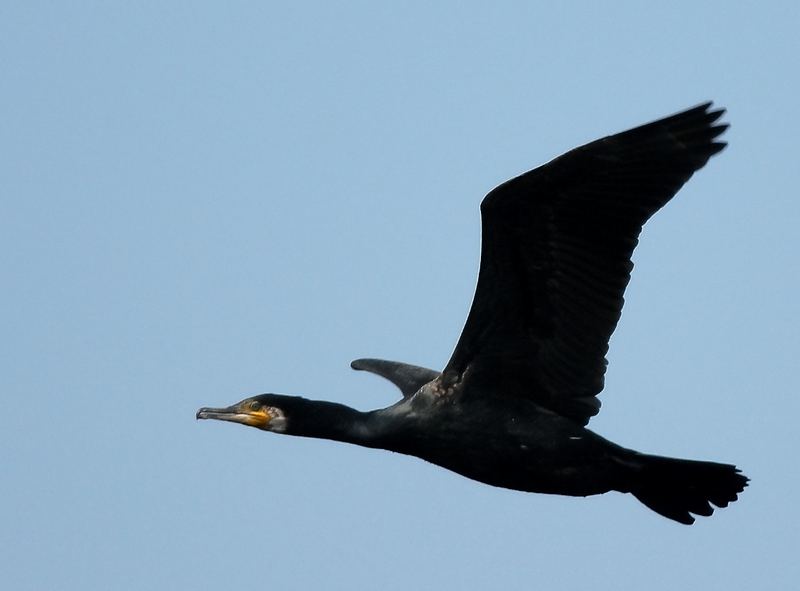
[(255, 405)]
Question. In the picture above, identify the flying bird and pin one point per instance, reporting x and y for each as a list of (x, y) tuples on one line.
[(511, 406)]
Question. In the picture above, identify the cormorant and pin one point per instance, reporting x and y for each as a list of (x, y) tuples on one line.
[(511, 406)]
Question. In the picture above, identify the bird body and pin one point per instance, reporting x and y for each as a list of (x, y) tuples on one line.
[(514, 444), (510, 409)]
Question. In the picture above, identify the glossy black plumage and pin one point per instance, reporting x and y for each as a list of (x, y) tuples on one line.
[(511, 405), (556, 258)]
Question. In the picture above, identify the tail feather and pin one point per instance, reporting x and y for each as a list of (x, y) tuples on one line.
[(677, 488)]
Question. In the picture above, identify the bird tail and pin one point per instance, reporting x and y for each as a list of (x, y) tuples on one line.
[(676, 488)]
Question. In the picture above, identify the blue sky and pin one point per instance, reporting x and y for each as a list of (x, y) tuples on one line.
[(204, 201)]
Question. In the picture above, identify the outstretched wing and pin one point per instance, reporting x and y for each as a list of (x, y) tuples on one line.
[(556, 258), (408, 378)]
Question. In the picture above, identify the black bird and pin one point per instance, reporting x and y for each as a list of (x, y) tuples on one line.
[(511, 406)]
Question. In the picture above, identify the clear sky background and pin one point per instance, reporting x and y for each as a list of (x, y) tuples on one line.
[(204, 201)]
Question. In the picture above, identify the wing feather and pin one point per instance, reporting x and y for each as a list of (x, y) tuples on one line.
[(556, 259)]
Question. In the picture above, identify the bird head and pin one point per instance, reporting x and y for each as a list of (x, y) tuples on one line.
[(265, 412)]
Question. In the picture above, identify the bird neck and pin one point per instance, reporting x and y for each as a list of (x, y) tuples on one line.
[(329, 420)]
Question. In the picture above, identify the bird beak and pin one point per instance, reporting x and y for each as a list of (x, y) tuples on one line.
[(222, 414), (235, 414)]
